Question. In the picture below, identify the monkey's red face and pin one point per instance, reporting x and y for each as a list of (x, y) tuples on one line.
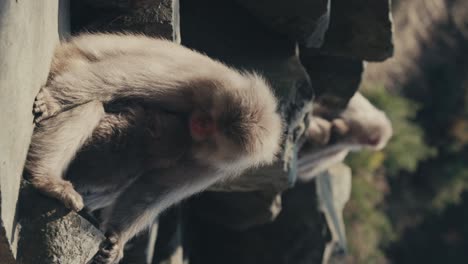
[(202, 126)]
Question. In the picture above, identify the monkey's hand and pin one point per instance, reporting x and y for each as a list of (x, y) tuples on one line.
[(319, 131), (110, 250), (59, 189), (340, 127), (45, 106)]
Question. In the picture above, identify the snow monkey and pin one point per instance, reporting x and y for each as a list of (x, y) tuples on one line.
[(331, 136), (133, 124)]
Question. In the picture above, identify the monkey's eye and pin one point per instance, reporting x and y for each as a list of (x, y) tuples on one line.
[(201, 126)]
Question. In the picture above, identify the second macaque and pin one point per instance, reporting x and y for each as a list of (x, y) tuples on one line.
[(331, 136), (131, 125)]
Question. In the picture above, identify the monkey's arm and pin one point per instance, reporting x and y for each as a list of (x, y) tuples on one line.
[(138, 206)]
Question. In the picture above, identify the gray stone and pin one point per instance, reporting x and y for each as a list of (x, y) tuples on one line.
[(297, 235), (28, 35), (359, 29), (159, 18), (6, 250), (302, 20), (29, 32), (335, 79), (238, 210), (118, 4), (430, 54), (52, 234)]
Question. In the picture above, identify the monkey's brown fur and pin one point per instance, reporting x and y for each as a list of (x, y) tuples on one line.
[(113, 120)]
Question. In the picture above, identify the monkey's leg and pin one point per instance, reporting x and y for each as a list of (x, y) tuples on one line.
[(141, 203), (54, 144)]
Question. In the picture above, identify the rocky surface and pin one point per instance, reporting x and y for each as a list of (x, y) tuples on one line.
[(238, 210), (298, 234), (360, 29), (50, 233), (336, 78), (29, 31), (158, 18), (301, 20)]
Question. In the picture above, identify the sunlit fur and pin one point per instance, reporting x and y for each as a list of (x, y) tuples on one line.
[(114, 117), (330, 138)]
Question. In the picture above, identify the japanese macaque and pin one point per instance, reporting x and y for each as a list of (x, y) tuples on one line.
[(131, 125), (331, 136)]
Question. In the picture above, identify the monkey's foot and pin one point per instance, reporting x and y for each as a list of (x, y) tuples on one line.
[(45, 106), (59, 189), (110, 251)]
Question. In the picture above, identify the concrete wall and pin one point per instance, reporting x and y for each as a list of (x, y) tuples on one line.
[(29, 31)]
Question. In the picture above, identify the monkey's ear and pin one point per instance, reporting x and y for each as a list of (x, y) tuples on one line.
[(202, 126)]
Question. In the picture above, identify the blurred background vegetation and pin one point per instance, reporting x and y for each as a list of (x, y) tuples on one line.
[(409, 202)]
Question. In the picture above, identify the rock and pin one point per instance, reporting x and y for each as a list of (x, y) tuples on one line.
[(359, 29), (238, 210), (50, 233), (116, 4), (159, 18), (429, 38), (302, 20), (297, 235), (335, 79), (29, 31), (7, 251)]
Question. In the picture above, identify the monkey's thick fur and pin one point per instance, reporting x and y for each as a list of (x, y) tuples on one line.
[(114, 129), (331, 136)]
